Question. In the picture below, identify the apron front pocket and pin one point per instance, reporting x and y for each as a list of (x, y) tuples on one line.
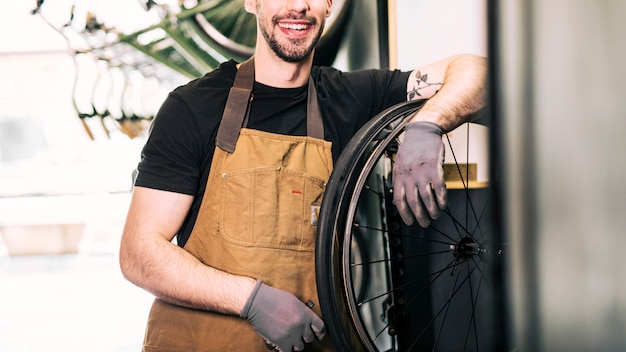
[(270, 207)]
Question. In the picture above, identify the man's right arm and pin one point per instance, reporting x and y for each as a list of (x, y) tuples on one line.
[(150, 260)]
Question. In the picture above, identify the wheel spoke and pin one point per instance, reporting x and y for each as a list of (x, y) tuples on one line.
[(445, 306), (435, 273), (422, 291), (408, 235)]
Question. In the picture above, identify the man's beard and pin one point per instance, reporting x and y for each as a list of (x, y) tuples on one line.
[(293, 51)]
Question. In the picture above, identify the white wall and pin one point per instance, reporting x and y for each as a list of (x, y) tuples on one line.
[(430, 30)]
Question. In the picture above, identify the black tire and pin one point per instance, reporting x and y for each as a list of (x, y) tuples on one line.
[(415, 289)]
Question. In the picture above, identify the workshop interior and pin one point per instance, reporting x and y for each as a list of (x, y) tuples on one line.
[(528, 257)]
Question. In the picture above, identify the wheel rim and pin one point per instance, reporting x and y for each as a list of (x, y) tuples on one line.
[(386, 286)]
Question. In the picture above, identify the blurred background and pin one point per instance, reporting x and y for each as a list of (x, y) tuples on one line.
[(63, 195)]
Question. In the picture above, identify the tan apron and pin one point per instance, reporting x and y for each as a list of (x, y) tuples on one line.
[(257, 219)]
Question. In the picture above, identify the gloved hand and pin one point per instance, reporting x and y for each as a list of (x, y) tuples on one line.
[(281, 319), (419, 190)]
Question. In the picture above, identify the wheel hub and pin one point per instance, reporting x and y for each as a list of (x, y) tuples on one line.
[(466, 248)]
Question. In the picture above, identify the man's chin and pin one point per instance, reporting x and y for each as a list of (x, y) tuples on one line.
[(293, 56)]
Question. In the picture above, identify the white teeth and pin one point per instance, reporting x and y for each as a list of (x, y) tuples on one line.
[(296, 27)]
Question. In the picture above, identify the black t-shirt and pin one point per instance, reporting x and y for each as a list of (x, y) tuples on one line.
[(178, 153)]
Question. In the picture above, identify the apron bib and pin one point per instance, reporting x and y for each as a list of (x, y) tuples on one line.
[(257, 218)]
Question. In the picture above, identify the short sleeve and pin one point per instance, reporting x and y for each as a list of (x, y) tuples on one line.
[(171, 159)]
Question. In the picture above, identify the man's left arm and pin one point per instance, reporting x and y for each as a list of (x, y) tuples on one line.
[(456, 91), (460, 86)]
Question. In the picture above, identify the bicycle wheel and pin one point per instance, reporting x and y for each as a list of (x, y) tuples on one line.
[(386, 286)]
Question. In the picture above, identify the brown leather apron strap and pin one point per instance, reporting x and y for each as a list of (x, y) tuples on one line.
[(238, 103), (314, 123), (236, 107)]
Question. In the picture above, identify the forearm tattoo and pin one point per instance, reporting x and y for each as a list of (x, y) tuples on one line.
[(421, 83)]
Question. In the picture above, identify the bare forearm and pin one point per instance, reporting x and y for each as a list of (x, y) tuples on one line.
[(175, 276), (150, 260), (456, 93)]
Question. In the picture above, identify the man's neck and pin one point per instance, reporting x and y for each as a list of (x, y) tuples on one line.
[(275, 72)]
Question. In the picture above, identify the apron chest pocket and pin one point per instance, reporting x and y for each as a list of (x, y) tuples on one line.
[(270, 207)]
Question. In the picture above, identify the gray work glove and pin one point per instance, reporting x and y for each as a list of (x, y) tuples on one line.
[(419, 190), (281, 319)]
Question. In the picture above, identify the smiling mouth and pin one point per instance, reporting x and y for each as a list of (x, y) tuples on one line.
[(294, 26)]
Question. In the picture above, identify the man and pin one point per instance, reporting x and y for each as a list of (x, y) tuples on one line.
[(234, 174)]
